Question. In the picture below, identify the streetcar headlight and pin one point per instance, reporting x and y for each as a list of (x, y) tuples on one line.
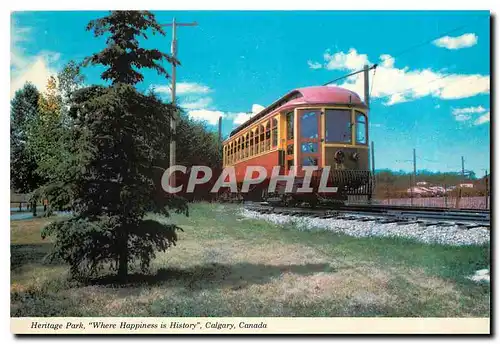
[(339, 157), (355, 156)]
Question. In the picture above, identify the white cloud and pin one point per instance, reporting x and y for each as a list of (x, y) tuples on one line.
[(209, 116), (399, 85), (183, 88), (197, 103), (387, 60), (256, 108), (202, 109), (472, 109), (483, 119), (212, 116), (35, 69), (395, 99), (465, 41), (198, 107), (18, 34), (241, 117), (350, 60), (437, 106), (462, 117), (314, 65), (465, 114)]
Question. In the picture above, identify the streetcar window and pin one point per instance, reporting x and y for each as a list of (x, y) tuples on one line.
[(257, 140), (289, 149), (238, 150), (251, 143), (275, 132), (309, 161), (309, 147), (309, 125), (268, 136), (338, 126), (247, 141), (361, 128), (242, 147), (289, 126), (234, 151), (262, 137)]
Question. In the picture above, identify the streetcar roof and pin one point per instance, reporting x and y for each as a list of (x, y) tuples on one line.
[(307, 96)]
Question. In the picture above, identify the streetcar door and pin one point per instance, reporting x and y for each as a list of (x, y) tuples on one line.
[(289, 149), (309, 138)]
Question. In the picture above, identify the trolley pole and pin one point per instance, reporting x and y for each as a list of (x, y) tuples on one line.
[(367, 85), (173, 49)]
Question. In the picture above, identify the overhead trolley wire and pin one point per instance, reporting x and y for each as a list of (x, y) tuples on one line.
[(404, 51), (420, 85), (458, 28), (373, 80)]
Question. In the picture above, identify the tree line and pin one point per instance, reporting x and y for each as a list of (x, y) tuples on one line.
[(99, 150)]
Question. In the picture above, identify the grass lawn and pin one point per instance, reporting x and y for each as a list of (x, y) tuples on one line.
[(225, 265)]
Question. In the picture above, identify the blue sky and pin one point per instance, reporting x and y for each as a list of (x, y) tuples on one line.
[(428, 93)]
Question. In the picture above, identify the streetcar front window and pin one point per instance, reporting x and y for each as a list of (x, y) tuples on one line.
[(338, 126), (309, 125), (361, 132), (310, 161)]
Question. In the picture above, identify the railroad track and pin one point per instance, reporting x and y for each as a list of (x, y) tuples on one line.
[(385, 214)]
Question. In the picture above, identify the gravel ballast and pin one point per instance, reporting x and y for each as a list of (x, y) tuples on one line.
[(446, 235)]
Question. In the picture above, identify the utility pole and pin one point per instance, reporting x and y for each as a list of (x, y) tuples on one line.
[(372, 181), (367, 85), (414, 175), (463, 169), (173, 49), (373, 158), (486, 187), (220, 129), (414, 167)]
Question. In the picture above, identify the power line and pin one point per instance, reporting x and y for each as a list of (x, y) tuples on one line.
[(428, 160), (420, 85), (404, 51)]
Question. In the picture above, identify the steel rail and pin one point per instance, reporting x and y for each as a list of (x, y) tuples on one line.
[(424, 216)]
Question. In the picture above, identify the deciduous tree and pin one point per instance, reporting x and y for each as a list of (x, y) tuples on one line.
[(23, 167)]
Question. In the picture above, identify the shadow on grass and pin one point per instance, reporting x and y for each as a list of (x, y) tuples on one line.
[(236, 276), (24, 254)]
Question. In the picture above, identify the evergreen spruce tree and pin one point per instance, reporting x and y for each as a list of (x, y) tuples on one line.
[(121, 140)]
